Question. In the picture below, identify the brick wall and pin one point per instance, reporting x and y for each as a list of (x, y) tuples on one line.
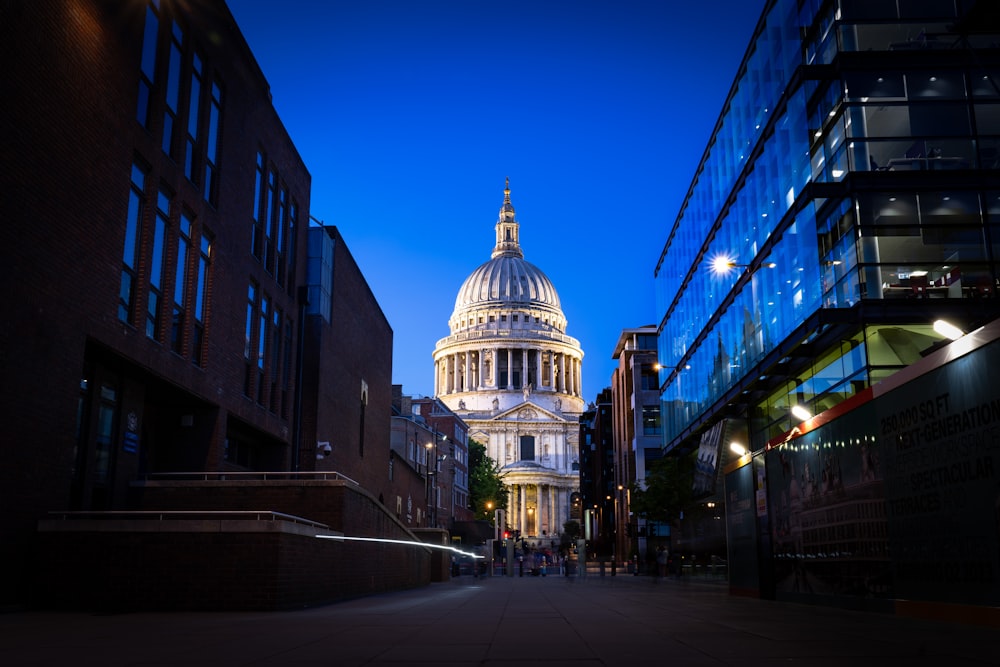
[(130, 564)]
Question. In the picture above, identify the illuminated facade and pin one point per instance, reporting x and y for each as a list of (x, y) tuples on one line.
[(850, 187), (509, 370)]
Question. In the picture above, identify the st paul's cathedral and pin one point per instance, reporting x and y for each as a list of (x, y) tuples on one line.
[(511, 372)]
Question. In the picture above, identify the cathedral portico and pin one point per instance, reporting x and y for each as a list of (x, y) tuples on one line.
[(511, 372)]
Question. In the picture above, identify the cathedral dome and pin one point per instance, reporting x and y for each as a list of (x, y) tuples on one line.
[(507, 281)]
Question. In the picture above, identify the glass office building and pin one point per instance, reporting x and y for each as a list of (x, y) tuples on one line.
[(851, 195)]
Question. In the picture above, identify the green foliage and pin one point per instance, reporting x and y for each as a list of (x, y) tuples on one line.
[(572, 529), (668, 489), (485, 482)]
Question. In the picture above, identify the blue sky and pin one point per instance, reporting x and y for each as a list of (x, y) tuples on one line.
[(410, 114)]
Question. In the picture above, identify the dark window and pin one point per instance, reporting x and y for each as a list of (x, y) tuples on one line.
[(279, 223), (651, 420), (201, 299), (212, 150), (527, 448), (154, 320), (147, 68), (269, 222), (649, 378), (194, 122), (173, 89), (248, 341), (293, 217), (262, 343), (276, 348), (180, 284), (259, 192), (130, 256)]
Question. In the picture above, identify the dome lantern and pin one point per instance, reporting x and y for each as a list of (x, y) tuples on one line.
[(507, 228)]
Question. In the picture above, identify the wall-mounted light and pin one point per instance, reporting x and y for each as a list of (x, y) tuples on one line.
[(737, 448), (801, 413), (948, 330), (724, 264)]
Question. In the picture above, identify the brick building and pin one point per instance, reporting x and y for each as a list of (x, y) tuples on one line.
[(449, 478), (160, 317)]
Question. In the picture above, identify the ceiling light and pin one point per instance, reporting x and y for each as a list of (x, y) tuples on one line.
[(801, 413), (737, 448)]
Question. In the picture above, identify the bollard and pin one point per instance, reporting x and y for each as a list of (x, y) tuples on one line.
[(602, 568), (614, 566)]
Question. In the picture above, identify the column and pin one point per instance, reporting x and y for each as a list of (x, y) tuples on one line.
[(506, 352), (524, 367), (538, 369), (555, 522), (522, 510), (467, 377), (482, 368), (552, 370), (512, 506), (544, 515)]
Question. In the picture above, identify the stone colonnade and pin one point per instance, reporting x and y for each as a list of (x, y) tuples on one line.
[(479, 370), (534, 508)]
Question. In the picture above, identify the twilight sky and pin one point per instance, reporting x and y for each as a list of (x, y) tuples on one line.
[(409, 114)]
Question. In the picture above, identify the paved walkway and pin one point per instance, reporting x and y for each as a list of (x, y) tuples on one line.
[(551, 621)]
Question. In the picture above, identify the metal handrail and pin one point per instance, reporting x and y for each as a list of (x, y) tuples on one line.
[(161, 515), (206, 476)]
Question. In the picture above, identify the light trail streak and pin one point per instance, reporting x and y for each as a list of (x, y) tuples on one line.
[(407, 542)]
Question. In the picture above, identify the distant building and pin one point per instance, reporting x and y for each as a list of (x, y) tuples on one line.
[(509, 370), (448, 457), (597, 477), (410, 457), (638, 431)]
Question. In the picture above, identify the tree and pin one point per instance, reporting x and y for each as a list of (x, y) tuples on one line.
[(485, 483), (571, 532), (667, 489)]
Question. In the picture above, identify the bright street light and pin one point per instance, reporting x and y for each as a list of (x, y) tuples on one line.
[(723, 264)]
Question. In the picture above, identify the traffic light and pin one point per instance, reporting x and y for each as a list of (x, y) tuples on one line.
[(506, 534)]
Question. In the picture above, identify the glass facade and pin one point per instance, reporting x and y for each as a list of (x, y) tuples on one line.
[(843, 190)]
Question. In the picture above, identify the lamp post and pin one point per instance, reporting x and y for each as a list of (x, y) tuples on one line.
[(431, 455), (432, 489)]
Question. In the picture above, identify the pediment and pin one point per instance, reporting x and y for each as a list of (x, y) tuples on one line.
[(528, 412)]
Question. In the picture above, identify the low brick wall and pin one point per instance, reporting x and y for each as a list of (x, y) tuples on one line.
[(117, 562)]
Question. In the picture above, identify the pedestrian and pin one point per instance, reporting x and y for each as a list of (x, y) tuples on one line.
[(662, 557)]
